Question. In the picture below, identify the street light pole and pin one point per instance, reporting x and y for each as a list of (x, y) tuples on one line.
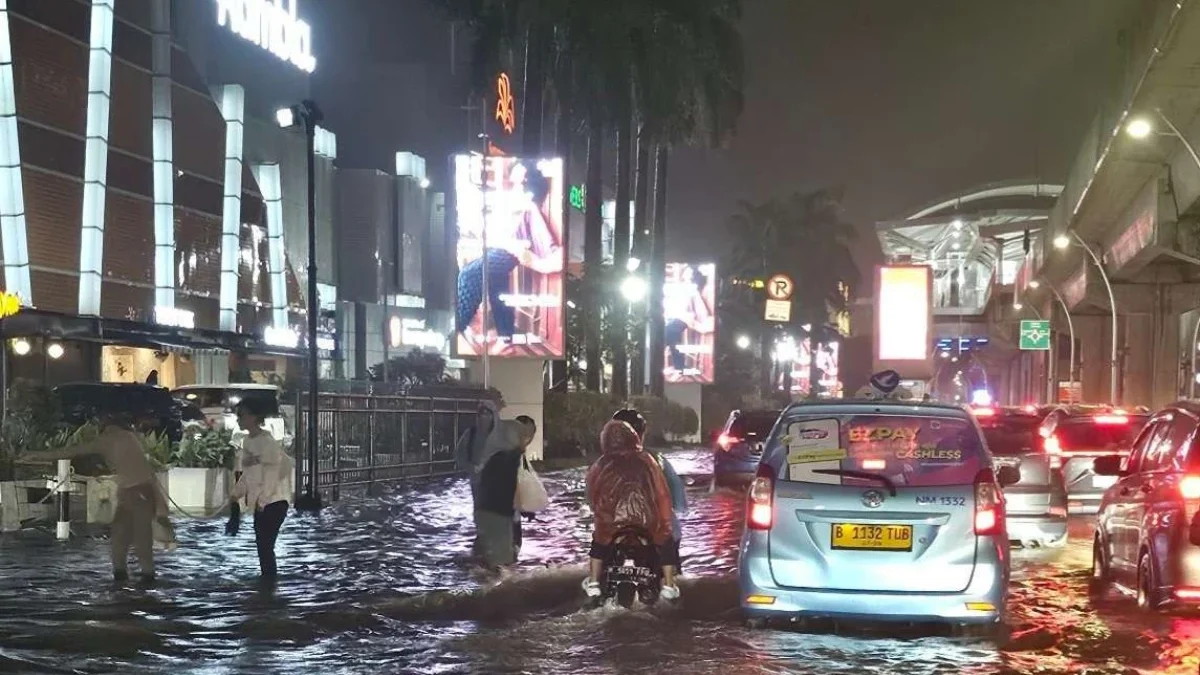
[(1112, 301), (1071, 330), (308, 115)]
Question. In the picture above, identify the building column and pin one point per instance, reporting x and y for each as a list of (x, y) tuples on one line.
[(95, 158), (1093, 331), (162, 140), (233, 109), (267, 176), (13, 235)]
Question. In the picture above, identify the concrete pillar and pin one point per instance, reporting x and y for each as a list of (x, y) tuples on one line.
[(1093, 331)]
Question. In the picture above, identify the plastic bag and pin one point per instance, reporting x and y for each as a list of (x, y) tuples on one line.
[(531, 495)]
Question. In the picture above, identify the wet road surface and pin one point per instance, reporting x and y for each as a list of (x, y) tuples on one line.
[(382, 586)]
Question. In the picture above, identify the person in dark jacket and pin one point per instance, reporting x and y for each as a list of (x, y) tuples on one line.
[(497, 492), (528, 431)]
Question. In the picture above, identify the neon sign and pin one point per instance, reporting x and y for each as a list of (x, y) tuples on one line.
[(272, 25), (10, 304), (578, 197), (506, 104)]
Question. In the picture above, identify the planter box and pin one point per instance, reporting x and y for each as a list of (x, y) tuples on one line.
[(19, 503), (199, 493)]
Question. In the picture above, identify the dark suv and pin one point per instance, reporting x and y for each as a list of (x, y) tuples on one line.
[(151, 408), (739, 445)]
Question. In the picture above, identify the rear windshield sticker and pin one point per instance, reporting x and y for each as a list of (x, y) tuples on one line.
[(813, 435), (810, 456), (877, 434), (932, 455)]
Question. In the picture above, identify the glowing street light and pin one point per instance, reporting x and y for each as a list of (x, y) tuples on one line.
[(1139, 128), (1018, 306), (55, 351), (21, 346), (633, 288), (1035, 284), (1062, 241), (743, 342)]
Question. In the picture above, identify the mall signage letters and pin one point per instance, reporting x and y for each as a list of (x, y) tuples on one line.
[(578, 197), (174, 317), (10, 305), (272, 25), (506, 104)]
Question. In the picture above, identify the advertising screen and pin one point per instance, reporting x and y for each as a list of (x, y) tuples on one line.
[(525, 257), (828, 362), (690, 322), (904, 319)]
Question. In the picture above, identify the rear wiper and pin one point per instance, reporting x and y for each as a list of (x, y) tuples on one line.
[(865, 475)]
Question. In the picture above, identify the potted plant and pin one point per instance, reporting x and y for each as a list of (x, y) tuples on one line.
[(200, 472)]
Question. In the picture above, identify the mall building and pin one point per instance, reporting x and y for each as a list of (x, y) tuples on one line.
[(153, 213)]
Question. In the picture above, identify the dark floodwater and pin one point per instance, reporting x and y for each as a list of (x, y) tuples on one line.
[(380, 586)]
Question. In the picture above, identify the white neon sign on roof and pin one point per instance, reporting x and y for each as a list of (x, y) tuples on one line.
[(273, 25)]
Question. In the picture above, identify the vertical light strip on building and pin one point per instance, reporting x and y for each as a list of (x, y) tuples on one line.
[(233, 109), (12, 197), (95, 158), (272, 194), (164, 158)]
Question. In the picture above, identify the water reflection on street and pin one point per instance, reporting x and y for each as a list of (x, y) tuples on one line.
[(382, 585)]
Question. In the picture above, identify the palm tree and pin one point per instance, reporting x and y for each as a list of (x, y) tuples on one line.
[(806, 238)]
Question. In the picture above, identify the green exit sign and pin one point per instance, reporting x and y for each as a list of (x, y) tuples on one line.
[(577, 195), (1035, 335)]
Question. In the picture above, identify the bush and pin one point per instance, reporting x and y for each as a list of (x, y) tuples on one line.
[(573, 421), (208, 449)]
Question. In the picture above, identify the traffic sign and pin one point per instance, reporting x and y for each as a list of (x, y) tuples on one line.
[(1035, 335), (778, 310), (780, 287)]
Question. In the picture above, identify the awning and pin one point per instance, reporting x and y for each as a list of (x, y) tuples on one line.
[(39, 323)]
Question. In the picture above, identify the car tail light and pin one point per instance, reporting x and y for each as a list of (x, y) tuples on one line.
[(727, 441), (760, 505), (1189, 487), (985, 412), (1111, 419), (989, 505), (1053, 451)]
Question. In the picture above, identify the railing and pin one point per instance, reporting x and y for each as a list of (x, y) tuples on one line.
[(371, 439)]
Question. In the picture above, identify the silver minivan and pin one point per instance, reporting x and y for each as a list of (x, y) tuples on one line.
[(1036, 505), (1148, 526), (879, 510)]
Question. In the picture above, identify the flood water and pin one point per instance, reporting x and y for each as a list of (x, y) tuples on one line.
[(382, 586)]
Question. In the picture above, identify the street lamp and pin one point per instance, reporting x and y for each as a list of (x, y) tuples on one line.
[(1062, 241), (633, 288), (1139, 128), (743, 342), (308, 115)]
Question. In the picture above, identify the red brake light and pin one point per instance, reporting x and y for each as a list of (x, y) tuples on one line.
[(985, 412), (1189, 487), (874, 464), (1111, 419), (989, 505), (760, 504), (1031, 409), (1053, 450), (727, 441)]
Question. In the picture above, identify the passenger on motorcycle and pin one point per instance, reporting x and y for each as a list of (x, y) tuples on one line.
[(627, 489), (678, 490)]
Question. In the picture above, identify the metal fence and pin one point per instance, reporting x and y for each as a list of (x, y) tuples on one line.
[(369, 439)]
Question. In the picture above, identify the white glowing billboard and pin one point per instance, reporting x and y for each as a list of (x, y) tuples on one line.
[(904, 319)]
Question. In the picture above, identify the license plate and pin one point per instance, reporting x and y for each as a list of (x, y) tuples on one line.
[(1104, 481), (866, 537), (629, 573)]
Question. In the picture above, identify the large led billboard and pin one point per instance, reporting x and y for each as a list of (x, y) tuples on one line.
[(525, 257), (690, 322), (904, 319)]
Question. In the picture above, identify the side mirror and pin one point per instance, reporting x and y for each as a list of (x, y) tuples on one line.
[(1108, 465), (1008, 475)]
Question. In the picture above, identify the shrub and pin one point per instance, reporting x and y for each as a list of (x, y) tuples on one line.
[(208, 449), (573, 421)]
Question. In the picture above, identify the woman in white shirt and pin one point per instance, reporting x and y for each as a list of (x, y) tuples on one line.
[(266, 483)]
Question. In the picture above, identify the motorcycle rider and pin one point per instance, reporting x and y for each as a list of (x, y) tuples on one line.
[(679, 504), (626, 488)]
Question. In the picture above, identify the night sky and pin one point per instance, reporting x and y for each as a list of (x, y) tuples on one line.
[(899, 102)]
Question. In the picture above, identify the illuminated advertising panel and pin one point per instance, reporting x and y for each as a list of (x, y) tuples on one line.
[(903, 319), (690, 322), (828, 369), (525, 257)]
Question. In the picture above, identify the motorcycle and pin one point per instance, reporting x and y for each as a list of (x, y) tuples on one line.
[(633, 571)]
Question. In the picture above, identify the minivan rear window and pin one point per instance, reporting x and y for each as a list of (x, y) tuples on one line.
[(1088, 435), (914, 451), (756, 423), (1013, 436)]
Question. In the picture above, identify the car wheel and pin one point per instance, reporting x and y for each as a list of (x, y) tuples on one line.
[(1099, 579), (1147, 585)]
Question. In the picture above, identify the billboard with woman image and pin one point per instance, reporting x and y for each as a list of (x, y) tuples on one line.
[(690, 322), (525, 257)]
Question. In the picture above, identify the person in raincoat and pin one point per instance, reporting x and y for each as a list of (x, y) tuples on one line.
[(141, 505), (678, 489), (626, 488), (496, 493)]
